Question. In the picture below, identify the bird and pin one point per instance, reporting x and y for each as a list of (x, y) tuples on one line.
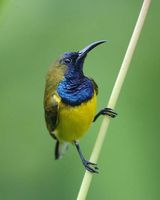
[(70, 101)]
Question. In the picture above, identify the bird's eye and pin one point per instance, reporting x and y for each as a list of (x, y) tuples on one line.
[(67, 60)]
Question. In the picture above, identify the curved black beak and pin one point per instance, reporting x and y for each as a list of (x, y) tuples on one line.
[(83, 52)]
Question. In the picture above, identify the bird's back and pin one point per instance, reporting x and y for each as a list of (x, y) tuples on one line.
[(54, 76)]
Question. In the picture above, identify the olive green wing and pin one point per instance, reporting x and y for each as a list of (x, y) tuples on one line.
[(51, 105), (51, 116)]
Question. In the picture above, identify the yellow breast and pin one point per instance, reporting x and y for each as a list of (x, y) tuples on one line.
[(73, 121)]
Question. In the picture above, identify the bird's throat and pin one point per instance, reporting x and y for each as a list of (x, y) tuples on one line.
[(74, 91)]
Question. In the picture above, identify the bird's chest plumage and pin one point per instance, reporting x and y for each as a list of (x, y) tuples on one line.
[(77, 107), (73, 121), (75, 91)]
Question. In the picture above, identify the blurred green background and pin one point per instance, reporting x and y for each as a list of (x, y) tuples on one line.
[(32, 35)]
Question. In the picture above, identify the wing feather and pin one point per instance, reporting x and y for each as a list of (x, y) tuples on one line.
[(51, 116), (51, 103)]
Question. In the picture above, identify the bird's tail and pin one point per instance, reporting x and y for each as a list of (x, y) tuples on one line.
[(60, 149)]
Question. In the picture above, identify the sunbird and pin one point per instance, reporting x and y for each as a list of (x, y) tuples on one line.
[(70, 102)]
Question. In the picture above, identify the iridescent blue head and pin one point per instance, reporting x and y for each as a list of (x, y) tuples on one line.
[(76, 88)]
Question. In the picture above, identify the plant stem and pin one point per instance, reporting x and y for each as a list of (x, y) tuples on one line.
[(114, 96)]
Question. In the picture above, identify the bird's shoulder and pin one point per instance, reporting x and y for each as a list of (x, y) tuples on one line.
[(95, 86), (54, 75)]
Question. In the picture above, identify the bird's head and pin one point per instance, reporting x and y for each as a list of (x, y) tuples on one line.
[(73, 61)]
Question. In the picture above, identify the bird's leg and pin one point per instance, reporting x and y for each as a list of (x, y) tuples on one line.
[(105, 111), (53, 135), (91, 167)]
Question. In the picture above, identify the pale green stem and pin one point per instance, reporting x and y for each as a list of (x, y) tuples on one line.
[(114, 96)]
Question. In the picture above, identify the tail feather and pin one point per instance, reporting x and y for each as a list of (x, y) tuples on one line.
[(60, 149)]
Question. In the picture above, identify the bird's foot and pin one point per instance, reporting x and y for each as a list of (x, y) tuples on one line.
[(109, 112), (91, 167), (105, 111)]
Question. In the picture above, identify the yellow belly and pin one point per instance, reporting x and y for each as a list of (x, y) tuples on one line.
[(73, 121)]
